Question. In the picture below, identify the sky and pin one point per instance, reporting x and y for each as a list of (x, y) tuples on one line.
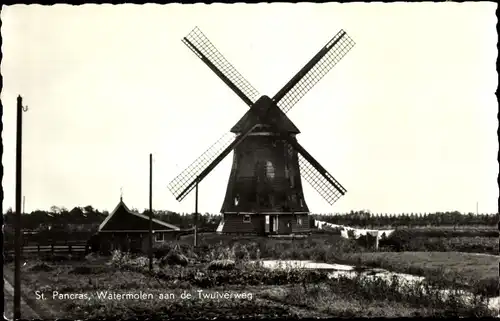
[(406, 122)]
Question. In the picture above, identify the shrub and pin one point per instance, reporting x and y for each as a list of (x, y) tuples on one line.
[(163, 249), (325, 229), (221, 265), (242, 252), (56, 258), (41, 267), (88, 270), (92, 257), (410, 240), (174, 258), (419, 294), (118, 258), (397, 241), (244, 276)]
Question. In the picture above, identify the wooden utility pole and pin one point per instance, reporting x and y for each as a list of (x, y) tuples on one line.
[(150, 212), (17, 272), (196, 214), (1, 271), (3, 260)]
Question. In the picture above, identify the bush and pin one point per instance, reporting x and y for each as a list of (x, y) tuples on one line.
[(246, 276), (221, 265), (56, 258), (414, 241), (41, 267), (163, 249), (397, 241), (242, 252), (325, 229), (420, 295), (88, 270), (174, 258), (321, 246)]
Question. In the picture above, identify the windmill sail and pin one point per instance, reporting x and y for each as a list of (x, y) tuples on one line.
[(269, 114), (313, 71), (184, 183), (317, 176), (181, 181), (330, 192), (206, 51)]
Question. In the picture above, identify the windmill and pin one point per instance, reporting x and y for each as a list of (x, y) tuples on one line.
[(264, 191)]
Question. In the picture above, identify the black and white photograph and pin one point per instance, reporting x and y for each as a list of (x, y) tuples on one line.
[(237, 161)]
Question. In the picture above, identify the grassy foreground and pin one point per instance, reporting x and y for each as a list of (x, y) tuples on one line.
[(475, 272), (238, 291)]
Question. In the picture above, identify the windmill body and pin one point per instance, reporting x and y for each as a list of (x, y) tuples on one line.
[(265, 184), (264, 193)]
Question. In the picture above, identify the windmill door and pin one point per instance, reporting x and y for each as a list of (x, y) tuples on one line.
[(287, 228)]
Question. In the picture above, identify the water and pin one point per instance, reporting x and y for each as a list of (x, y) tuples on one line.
[(338, 270), (273, 264)]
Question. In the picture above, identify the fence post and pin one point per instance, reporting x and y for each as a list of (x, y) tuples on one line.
[(69, 249), (38, 248), (52, 248)]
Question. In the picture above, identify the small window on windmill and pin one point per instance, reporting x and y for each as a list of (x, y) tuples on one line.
[(299, 220), (271, 200), (300, 201), (236, 200), (246, 219), (287, 172), (269, 170)]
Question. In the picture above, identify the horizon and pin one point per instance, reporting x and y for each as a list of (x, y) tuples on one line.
[(406, 121), (156, 211)]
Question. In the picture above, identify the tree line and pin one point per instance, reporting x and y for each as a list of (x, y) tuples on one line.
[(88, 219), (367, 219)]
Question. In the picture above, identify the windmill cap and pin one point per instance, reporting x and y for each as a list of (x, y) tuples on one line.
[(249, 119)]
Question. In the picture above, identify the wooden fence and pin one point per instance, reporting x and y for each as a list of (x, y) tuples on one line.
[(76, 248)]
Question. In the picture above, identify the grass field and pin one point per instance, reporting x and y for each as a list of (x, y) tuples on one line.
[(407, 241), (458, 227), (476, 272), (255, 292), (437, 228), (401, 240), (294, 293)]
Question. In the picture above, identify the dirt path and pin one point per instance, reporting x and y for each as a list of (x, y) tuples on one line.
[(26, 311), (29, 304)]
